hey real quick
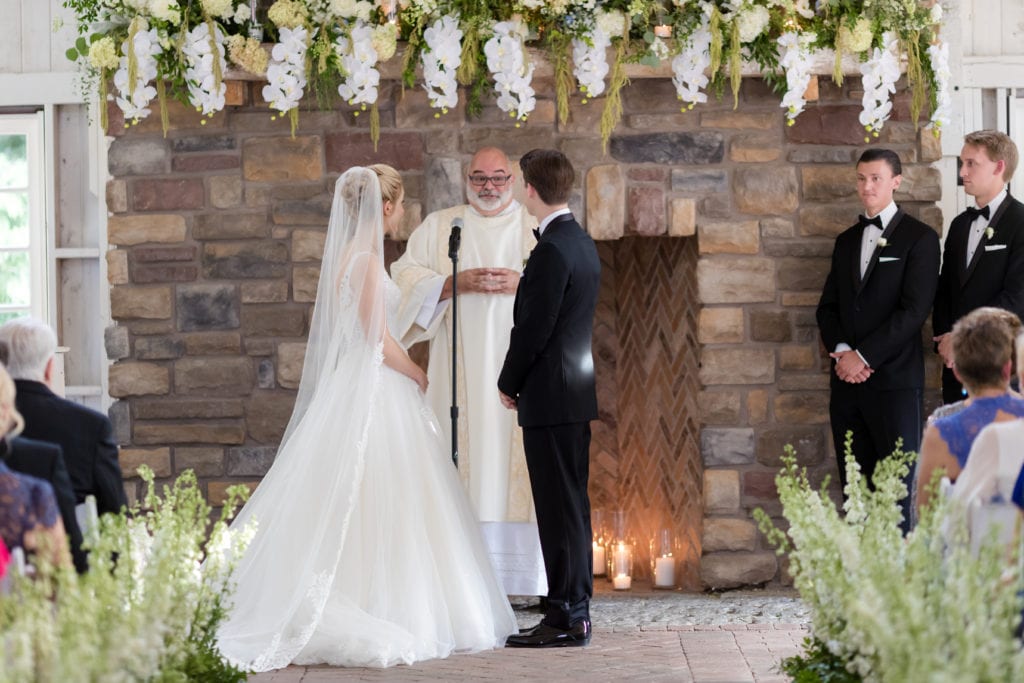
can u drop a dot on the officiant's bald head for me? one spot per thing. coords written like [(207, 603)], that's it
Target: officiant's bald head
[(490, 179)]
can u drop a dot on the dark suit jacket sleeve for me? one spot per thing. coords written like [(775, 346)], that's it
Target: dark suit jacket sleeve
[(1011, 297), (828, 308), (107, 472), (61, 481), (539, 301), (904, 325), (942, 311)]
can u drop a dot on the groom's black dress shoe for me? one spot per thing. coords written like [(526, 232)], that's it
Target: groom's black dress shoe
[(543, 635)]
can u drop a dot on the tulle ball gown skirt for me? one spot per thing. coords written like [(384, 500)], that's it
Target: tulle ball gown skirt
[(370, 561)]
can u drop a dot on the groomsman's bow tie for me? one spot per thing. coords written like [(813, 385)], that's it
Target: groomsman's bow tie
[(536, 233), (973, 212), (876, 221)]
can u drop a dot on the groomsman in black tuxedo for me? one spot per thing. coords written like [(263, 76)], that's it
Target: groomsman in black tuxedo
[(548, 376), (983, 260), (875, 300)]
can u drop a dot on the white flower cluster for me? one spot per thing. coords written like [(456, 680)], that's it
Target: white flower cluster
[(219, 9), (204, 92), (795, 58), (135, 97), (359, 62), (879, 75), (286, 75), (327, 11), (441, 57), (164, 10), (690, 66), (752, 21), (939, 57), (512, 72), (590, 61)]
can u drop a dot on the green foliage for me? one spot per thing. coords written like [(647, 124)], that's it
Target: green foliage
[(817, 665)]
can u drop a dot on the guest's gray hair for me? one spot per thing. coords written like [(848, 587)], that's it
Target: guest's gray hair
[(30, 345)]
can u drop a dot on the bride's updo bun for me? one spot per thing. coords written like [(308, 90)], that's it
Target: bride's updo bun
[(390, 182), (353, 185)]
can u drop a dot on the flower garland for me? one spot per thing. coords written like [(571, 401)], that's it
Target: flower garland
[(690, 65), (136, 70), (796, 60), (512, 71), (359, 61), (286, 75), (441, 59), (879, 75), (938, 55), (206, 89), (589, 55)]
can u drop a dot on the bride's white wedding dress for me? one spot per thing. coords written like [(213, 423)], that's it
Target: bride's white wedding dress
[(367, 551)]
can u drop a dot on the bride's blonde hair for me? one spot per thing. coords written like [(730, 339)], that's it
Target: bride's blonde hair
[(390, 182)]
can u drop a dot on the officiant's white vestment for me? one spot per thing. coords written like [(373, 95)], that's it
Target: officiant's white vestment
[(492, 465)]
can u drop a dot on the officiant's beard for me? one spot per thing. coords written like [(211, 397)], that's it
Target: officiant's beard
[(488, 199)]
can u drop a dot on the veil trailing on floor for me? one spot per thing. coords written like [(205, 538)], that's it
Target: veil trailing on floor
[(284, 578)]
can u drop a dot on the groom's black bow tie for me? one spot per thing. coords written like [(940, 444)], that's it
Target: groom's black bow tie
[(876, 221), (536, 233), (973, 212)]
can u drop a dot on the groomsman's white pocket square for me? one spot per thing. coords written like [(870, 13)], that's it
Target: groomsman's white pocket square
[(887, 259), (994, 247)]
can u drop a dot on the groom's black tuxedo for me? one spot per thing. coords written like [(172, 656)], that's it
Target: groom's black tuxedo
[(880, 315), (549, 371), (994, 277)]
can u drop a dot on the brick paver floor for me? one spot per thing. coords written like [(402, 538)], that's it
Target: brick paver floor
[(638, 651)]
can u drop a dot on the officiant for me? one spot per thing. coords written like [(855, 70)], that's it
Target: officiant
[(497, 237)]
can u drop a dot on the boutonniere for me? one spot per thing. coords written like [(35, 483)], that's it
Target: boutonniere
[(882, 243), (989, 231)]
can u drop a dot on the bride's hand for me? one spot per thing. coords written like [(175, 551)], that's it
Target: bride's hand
[(421, 380)]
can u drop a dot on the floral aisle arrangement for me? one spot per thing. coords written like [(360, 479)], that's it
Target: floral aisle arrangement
[(889, 608), (148, 608), (143, 47)]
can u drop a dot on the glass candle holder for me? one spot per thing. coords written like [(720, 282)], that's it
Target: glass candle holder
[(622, 565), (600, 557), (663, 559)]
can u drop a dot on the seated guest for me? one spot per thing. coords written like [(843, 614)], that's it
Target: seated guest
[(5, 559), (982, 349), (43, 461), (84, 435)]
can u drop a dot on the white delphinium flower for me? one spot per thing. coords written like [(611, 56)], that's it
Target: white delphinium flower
[(590, 61), (442, 55), (690, 66), (879, 75), (939, 57), (286, 75), (358, 60), (135, 97), (512, 71), (752, 21), (795, 58), (204, 93)]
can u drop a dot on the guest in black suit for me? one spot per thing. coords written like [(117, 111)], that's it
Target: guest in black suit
[(85, 436), (875, 301), (548, 376), (983, 260)]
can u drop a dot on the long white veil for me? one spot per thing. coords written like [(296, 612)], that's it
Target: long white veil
[(285, 577)]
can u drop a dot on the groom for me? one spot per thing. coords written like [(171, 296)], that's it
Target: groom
[(548, 376)]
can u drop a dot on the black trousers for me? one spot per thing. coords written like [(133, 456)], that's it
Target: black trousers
[(877, 419), (952, 390), (558, 458)]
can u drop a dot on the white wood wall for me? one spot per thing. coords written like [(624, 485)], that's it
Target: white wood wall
[(33, 46)]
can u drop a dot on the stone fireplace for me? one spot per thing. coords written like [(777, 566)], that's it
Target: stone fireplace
[(714, 228)]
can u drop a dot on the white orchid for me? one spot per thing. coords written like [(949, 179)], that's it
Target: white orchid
[(135, 97), (359, 62), (441, 57), (879, 75), (205, 93), (590, 59), (286, 75), (690, 66), (942, 114), (511, 69), (795, 58)]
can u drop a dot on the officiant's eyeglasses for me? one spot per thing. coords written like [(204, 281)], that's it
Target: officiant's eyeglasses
[(496, 180)]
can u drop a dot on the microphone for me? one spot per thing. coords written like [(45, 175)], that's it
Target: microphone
[(455, 239)]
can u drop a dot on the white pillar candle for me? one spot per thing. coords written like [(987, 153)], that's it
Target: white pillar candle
[(663, 31), (599, 560), (622, 582), (664, 571)]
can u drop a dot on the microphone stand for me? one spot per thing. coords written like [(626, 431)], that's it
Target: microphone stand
[(454, 241)]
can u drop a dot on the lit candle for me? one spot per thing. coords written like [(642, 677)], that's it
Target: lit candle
[(622, 562), (622, 582), (665, 571), (663, 31), (599, 560)]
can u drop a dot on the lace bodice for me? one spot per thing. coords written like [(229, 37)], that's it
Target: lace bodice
[(392, 301), (961, 429), (25, 504)]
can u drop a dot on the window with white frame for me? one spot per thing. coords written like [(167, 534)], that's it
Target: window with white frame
[(23, 241)]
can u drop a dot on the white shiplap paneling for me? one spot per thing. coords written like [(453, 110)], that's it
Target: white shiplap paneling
[(10, 45)]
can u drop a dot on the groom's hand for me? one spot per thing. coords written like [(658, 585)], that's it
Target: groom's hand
[(507, 401)]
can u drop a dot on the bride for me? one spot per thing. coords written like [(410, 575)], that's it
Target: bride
[(366, 552)]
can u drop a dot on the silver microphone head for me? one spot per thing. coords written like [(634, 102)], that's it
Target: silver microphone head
[(457, 223)]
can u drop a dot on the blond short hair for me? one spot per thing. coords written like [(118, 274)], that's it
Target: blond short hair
[(999, 147)]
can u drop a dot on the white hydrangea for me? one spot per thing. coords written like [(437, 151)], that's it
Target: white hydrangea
[(752, 21), (613, 23), (134, 98), (286, 75), (590, 61), (385, 40), (242, 14), (938, 55), (204, 93), (441, 56), (165, 10), (221, 9), (795, 58), (511, 70), (690, 66), (358, 60), (878, 78)]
